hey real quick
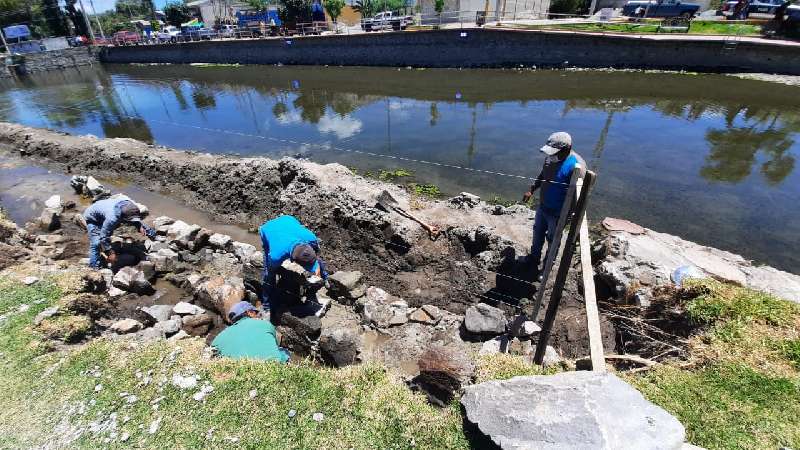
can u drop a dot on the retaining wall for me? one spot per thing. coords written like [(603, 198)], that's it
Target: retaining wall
[(479, 48), (52, 60)]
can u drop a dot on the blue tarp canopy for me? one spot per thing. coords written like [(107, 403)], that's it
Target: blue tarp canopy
[(17, 31)]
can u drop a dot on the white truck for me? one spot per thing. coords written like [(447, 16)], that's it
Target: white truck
[(386, 20), (168, 34)]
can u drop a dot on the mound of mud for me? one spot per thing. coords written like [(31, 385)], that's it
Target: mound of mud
[(475, 260)]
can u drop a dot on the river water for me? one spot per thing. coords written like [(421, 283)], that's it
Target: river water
[(710, 158)]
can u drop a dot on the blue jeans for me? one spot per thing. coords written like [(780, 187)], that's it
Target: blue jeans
[(544, 226), (94, 245), (269, 281)]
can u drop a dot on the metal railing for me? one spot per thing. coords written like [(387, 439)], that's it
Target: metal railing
[(529, 19)]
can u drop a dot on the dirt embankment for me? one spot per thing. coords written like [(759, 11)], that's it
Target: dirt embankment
[(475, 260)]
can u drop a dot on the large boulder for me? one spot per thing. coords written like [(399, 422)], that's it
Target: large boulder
[(340, 343), (382, 310), (220, 241), (242, 250), (164, 260), (484, 319), (220, 294), (181, 233), (131, 279), (126, 326), (159, 313), (346, 285), (198, 325), (300, 328), (187, 309), (569, 410), (50, 219), (443, 371)]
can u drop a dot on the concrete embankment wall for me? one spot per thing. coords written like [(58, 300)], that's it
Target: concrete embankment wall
[(478, 48), (52, 60)]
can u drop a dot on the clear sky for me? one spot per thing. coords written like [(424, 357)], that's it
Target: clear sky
[(105, 5)]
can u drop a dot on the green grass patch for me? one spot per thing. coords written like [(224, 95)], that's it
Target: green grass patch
[(392, 175), (425, 190), (651, 26), (741, 385), (719, 301), (47, 397), (497, 200), (728, 406), (791, 351)]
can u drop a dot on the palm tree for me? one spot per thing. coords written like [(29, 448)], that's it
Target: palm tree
[(364, 7)]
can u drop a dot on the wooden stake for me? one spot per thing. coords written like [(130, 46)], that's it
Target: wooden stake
[(592, 315), (563, 266)]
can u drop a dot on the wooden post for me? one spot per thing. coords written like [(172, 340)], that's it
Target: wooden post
[(592, 316), (563, 267), (553, 247)]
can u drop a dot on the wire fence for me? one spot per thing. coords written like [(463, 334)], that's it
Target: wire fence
[(494, 295)]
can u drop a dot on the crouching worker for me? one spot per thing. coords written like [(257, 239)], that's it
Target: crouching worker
[(102, 218), (249, 337), (285, 238)]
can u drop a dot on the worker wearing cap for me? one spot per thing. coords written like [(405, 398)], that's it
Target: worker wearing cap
[(286, 238), (102, 218), (554, 179), (249, 337)]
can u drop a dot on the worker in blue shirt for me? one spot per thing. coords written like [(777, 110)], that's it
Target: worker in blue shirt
[(102, 218), (286, 238), (554, 180)]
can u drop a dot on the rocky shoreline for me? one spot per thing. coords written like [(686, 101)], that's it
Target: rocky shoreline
[(474, 262)]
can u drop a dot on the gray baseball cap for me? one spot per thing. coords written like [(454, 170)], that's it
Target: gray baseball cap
[(557, 142)]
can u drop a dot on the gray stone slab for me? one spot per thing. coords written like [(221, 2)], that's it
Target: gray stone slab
[(570, 410)]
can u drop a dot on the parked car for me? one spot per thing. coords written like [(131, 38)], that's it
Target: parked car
[(196, 34), (764, 9), (126, 38), (227, 31), (168, 34), (656, 8), (77, 41), (386, 20)]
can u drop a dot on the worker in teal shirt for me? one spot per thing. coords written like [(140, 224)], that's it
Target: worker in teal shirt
[(286, 238), (249, 337)]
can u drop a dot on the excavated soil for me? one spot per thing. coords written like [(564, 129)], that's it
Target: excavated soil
[(475, 260)]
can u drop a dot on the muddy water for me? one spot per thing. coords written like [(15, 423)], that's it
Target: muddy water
[(24, 188), (709, 158)]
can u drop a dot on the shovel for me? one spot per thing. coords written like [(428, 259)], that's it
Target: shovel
[(388, 203)]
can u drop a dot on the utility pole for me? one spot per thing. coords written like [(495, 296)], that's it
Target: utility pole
[(94, 11), (86, 19)]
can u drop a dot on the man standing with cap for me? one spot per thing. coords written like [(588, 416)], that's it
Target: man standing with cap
[(286, 238), (554, 181), (102, 218), (248, 336)]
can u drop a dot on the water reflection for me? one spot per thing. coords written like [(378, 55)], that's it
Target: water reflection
[(713, 144)]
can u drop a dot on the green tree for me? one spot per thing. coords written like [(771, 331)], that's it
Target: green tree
[(177, 13), (295, 11), (334, 8), (76, 16), (438, 5), (258, 5), (365, 7), (569, 7), (54, 18)]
